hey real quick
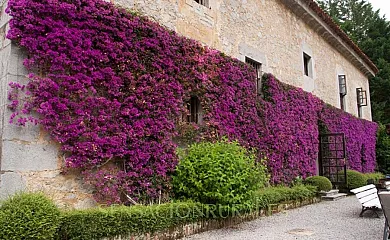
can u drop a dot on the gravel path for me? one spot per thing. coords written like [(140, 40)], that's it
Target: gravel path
[(321, 221)]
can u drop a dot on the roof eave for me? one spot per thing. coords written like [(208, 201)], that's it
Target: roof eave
[(323, 24)]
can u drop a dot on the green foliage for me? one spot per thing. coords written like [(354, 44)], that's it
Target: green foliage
[(374, 176), (28, 216), (122, 221), (273, 195), (218, 173), (383, 150), (355, 179), (322, 183)]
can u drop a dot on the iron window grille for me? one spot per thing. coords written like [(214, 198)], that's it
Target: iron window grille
[(193, 107), (361, 97), (203, 2), (257, 66)]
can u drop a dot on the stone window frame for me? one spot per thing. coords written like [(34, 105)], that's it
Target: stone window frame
[(307, 65), (342, 94), (258, 66), (245, 51), (204, 3)]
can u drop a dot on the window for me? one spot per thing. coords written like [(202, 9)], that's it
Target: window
[(342, 90), (193, 107), (307, 65), (257, 67), (361, 100), (203, 2)]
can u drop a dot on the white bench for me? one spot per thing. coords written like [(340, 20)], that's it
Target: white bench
[(368, 197)]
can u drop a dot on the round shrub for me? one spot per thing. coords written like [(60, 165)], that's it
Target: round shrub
[(355, 179), (28, 216), (218, 173), (322, 183)]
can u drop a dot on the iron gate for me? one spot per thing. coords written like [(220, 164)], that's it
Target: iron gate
[(332, 158)]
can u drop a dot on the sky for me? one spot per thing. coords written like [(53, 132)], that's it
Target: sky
[(383, 5)]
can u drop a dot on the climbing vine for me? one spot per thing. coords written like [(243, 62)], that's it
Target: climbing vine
[(111, 87)]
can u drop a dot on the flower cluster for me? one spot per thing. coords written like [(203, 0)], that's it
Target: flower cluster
[(290, 134), (111, 87)]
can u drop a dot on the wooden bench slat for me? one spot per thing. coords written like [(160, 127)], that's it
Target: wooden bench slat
[(373, 203), (366, 193), (368, 198), (364, 188)]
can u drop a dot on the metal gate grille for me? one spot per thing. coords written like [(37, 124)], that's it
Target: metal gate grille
[(333, 158)]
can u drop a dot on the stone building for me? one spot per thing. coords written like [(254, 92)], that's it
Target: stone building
[(293, 39)]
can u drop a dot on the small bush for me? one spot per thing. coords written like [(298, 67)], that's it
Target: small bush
[(355, 179), (322, 183), (28, 216), (218, 173), (374, 176)]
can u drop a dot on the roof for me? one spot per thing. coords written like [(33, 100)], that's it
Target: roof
[(336, 28)]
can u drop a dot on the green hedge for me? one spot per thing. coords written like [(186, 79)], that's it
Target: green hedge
[(280, 194), (28, 216), (374, 176), (36, 217), (322, 183), (122, 221)]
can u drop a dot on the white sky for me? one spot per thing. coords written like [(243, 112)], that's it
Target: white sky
[(383, 5)]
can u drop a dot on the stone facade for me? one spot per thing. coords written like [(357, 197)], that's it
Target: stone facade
[(266, 31), (29, 160), (269, 32)]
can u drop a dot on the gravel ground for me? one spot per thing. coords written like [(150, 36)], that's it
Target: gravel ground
[(321, 221)]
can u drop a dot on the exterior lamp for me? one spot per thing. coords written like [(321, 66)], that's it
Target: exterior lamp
[(361, 97)]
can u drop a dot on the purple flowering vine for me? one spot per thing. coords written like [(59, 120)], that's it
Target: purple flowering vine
[(111, 87)]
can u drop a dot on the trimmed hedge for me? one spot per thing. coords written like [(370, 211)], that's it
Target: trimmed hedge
[(123, 221), (28, 216), (374, 176), (279, 194), (33, 216), (322, 183), (355, 179)]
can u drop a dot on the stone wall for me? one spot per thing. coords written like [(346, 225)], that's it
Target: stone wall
[(266, 31), (29, 160)]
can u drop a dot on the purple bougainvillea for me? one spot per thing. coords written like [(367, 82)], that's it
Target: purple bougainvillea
[(111, 86)]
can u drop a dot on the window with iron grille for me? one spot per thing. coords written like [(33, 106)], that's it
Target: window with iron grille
[(193, 107), (257, 66), (203, 2), (342, 90), (361, 100)]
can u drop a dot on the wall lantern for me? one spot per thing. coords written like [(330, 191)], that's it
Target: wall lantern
[(361, 97), (342, 85)]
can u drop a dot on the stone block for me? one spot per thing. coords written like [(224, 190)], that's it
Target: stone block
[(4, 18), (15, 66), (11, 183), (5, 54), (21, 156)]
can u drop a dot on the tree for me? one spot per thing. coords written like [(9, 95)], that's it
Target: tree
[(372, 34)]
